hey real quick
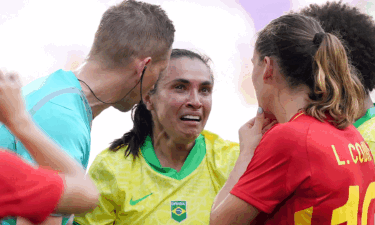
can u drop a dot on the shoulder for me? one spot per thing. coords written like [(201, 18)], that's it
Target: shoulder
[(291, 130), (45, 89), (112, 173), (281, 138), (367, 130), (55, 120), (113, 162), (62, 110), (367, 127), (221, 154), (215, 142), (56, 81)]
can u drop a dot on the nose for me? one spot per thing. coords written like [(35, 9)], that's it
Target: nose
[(194, 100)]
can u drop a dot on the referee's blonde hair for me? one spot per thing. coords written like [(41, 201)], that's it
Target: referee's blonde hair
[(129, 30)]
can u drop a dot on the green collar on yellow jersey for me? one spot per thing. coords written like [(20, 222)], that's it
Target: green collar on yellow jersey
[(370, 113), (193, 160)]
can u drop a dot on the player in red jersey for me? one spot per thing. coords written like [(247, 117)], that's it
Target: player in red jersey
[(31, 192), (313, 167)]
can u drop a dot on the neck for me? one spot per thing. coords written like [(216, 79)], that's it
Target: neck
[(288, 104), (108, 85), (169, 151)]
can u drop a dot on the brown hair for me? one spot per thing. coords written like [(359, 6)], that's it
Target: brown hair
[(356, 29), (132, 29), (322, 65)]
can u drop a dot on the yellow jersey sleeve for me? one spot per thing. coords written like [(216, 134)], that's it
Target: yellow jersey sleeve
[(371, 144), (221, 156), (367, 130), (105, 180)]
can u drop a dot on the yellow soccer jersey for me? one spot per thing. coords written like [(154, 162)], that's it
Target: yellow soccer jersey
[(366, 126), (141, 191)]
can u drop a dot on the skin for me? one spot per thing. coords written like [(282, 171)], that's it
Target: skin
[(273, 92), (185, 89), (276, 99), (111, 85), (80, 194)]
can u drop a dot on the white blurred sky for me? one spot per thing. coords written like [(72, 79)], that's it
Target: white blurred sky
[(41, 36)]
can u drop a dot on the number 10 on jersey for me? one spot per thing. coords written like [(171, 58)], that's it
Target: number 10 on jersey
[(349, 212)]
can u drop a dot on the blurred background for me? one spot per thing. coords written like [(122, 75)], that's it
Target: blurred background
[(41, 36)]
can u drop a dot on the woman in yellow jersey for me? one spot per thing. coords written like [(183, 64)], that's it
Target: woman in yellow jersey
[(166, 169)]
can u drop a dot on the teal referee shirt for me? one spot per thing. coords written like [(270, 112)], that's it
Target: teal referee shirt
[(59, 107)]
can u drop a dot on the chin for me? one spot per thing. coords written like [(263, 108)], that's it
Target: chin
[(190, 136), (267, 112), (269, 115)]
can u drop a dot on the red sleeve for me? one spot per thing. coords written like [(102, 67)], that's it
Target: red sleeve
[(25, 191), (278, 167)]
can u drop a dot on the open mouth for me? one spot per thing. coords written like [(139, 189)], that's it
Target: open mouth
[(191, 118)]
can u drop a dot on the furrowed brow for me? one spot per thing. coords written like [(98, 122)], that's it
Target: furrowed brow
[(206, 83), (182, 81)]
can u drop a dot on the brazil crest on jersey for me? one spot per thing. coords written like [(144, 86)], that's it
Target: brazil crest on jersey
[(178, 209), (141, 191)]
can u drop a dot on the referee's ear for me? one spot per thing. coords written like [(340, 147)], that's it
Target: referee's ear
[(140, 65)]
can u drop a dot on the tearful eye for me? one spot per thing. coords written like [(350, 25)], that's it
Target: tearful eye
[(179, 87), (206, 90)]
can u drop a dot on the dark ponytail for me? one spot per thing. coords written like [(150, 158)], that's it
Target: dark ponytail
[(141, 116), (142, 127)]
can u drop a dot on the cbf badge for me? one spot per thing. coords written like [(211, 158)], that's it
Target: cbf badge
[(178, 210)]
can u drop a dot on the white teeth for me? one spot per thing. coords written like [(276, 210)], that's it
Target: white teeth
[(191, 117)]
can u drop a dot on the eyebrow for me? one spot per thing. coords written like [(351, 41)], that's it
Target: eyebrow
[(207, 83), (188, 82), (182, 81)]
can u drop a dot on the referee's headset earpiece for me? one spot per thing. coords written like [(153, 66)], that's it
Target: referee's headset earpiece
[(146, 61), (143, 73)]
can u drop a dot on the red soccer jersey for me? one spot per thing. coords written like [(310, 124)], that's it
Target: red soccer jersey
[(25, 191), (309, 172)]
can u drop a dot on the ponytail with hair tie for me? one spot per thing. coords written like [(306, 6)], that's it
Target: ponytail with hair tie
[(337, 89), (308, 56), (318, 38)]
